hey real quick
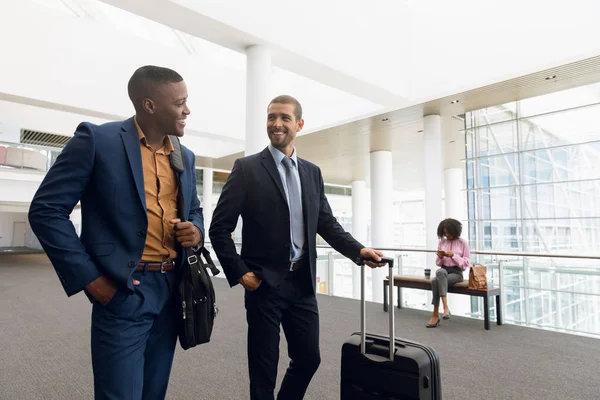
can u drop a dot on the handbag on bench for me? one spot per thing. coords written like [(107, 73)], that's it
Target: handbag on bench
[(477, 277)]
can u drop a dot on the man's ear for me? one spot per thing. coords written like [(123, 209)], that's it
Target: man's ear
[(148, 106), (300, 125)]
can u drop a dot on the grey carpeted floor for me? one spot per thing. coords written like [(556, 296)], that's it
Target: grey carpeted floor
[(44, 348)]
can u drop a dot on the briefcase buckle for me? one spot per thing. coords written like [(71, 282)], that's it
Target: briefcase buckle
[(193, 259)]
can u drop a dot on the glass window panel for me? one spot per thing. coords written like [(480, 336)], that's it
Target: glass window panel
[(568, 127), (542, 307), (567, 163), (470, 143), (471, 205), (515, 305), (568, 236), (501, 235), (579, 312), (497, 139), (499, 170), (564, 99), (470, 174), (564, 199), (501, 203), (491, 115)]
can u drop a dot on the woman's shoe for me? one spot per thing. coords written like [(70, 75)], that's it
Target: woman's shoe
[(446, 316), (433, 325)]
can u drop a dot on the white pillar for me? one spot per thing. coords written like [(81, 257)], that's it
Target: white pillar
[(258, 95), (454, 206), (359, 227), (432, 138), (453, 194), (382, 224), (207, 197)]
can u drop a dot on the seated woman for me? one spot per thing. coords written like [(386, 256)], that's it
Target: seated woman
[(453, 258)]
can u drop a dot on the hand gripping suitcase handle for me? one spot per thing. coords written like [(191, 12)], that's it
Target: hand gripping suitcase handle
[(363, 306)]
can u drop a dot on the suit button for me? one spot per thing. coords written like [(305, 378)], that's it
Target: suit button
[(287, 245), (132, 264), (142, 233)]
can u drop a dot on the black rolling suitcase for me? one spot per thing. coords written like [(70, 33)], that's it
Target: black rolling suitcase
[(378, 367)]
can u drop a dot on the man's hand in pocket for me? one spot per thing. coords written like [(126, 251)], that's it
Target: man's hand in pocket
[(103, 289), (250, 281)]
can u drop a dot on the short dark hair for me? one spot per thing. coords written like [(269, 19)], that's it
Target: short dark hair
[(453, 227), (285, 99), (145, 78)]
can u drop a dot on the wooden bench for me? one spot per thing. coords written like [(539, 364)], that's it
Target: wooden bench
[(417, 282)]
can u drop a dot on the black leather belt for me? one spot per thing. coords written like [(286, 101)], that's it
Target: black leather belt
[(162, 267)]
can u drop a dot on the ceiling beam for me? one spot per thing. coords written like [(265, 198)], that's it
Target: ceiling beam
[(86, 112), (191, 22)]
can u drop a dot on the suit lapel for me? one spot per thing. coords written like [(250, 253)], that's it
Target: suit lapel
[(304, 182), (269, 164), (131, 143)]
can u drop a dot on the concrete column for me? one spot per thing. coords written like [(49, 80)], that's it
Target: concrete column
[(433, 158), (382, 224), (207, 196), (453, 194), (258, 95), (360, 215)]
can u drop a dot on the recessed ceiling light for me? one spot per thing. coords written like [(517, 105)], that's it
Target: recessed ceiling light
[(454, 102), (452, 141), (550, 77)]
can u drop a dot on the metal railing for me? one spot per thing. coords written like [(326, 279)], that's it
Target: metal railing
[(27, 156), (558, 292)]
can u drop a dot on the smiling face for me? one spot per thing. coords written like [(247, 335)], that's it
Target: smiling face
[(169, 107), (282, 127)]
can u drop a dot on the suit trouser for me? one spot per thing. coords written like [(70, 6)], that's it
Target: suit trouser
[(134, 337), (444, 278), (293, 305)]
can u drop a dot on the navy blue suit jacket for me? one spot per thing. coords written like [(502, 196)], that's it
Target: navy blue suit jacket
[(254, 190), (101, 166)]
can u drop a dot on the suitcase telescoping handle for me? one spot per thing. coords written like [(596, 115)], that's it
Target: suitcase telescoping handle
[(363, 307)]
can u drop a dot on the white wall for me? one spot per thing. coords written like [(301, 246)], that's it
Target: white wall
[(19, 186), (7, 221), (15, 117), (9, 130)]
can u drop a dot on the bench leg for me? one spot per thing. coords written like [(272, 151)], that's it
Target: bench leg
[(486, 312), (499, 317), (399, 297), (385, 296)]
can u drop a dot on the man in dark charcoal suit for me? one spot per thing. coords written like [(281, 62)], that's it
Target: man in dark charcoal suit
[(282, 202), (131, 244)]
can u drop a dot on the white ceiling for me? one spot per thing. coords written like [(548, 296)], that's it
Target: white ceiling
[(343, 59)]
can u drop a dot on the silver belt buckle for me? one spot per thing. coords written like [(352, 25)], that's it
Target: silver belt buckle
[(162, 266), (292, 265)]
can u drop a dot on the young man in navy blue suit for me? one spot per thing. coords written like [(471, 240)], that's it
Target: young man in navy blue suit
[(131, 245), (282, 202)]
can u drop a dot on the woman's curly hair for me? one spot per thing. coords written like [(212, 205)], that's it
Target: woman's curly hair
[(453, 227)]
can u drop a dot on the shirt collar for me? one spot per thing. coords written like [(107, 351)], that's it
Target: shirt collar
[(168, 145), (278, 155)]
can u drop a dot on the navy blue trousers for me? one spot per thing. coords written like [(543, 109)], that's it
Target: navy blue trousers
[(293, 306), (134, 338)]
